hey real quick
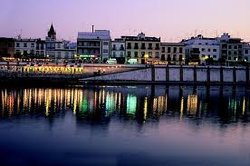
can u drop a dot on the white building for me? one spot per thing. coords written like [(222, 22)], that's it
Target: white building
[(26, 47), (118, 50), (94, 45), (61, 50), (203, 47)]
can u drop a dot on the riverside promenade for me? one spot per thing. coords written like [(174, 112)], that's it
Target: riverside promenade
[(56, 74), (67, 74)]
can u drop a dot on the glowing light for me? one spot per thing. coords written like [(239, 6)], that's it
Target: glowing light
[(244, 106), (192, 104), (145, 108), (131, 104), (182, 107)]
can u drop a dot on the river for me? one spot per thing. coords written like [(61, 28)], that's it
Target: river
[(125, 125)]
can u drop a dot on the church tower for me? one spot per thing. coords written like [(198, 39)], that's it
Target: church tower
[(52, 33)]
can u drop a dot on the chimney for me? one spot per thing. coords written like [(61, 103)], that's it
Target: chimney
[(93, 28)]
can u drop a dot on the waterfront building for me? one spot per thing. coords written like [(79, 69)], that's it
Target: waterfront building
[(58, 49), (40, 48), (7, 47), (173, 53), (231, 49), (142, 48), (94, 46), (118, 50), (199, 49), (246, 52), (25, 48)]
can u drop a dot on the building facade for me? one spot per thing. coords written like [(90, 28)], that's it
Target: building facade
[(118, 50), (142, 48), (231, 49), (25, 48), (199, 49), (58, 49), (7, 47), (94, 46), (173, 53), (40, 48), (246, 52)]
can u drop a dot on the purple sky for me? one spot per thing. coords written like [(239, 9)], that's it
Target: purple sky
[(170, 19)]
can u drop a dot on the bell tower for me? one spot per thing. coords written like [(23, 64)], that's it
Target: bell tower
[(52, 33)]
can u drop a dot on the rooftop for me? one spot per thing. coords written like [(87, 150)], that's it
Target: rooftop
[(97, 34)]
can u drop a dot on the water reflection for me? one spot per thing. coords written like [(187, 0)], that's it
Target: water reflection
[(143, 103)]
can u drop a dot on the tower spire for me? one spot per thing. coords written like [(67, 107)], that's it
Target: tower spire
[(52, 32)]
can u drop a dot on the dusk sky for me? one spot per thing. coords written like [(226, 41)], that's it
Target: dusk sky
[(172, 20)]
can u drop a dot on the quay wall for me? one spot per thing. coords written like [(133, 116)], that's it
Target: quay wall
[(178, 74)]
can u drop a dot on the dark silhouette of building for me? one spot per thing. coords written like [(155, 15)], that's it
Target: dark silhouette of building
[(7, 47), (52, 33)]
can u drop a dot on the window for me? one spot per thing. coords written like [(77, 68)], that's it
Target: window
[(162, 49), (114, 47), (150, 46), (32, 45), (129, 54), (136, 54), (105, 51), (175, 49), (246, 51), (174, 57), (235, 47), (229, 53), (180, 50), (157, 46), (162, 57), (203, 49), (121, 47), (142, 54), (143, 46), (180, 57), (105, 43), (229, 47), (24, 44), (209, 50), (129, 46), (150, 54), (169, 49), (136, 46), (17, 44), (157, 55), (214, 56), (169, 57), (214, 50)]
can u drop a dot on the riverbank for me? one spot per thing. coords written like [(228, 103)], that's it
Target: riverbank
[(125, 75)]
